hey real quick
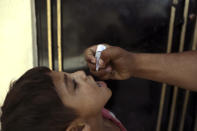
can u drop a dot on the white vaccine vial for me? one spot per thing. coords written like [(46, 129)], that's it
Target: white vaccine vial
[(99, 50)]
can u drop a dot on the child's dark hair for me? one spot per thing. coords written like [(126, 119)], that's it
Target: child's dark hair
[(32, 104)]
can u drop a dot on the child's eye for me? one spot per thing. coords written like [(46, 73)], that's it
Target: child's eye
[(75, 85)]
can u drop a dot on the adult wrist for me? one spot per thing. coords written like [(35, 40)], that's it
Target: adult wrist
[(132, 64)]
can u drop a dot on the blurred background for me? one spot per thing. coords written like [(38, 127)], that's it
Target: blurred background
[(135, 25), (17, 41)]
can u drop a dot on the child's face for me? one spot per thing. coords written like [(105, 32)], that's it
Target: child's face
[(81, 92)]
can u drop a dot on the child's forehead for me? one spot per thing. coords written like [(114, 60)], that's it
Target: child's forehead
[(58, 80), (56, 77), (56, 74)]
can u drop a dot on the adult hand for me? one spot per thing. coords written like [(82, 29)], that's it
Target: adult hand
[(115, 63)]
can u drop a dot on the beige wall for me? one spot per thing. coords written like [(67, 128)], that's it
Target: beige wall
[(17, 38)]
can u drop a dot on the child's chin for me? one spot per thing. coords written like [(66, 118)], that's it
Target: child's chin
[(109, 94)]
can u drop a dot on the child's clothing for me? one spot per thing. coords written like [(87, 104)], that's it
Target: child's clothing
[(110, 116)]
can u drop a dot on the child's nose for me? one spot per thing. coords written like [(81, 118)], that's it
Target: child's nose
[(80, 74)]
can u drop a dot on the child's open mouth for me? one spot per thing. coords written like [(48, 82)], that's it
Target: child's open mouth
[(101, 84)]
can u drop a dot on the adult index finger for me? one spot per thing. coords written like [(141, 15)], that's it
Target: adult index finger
[(89, 54)]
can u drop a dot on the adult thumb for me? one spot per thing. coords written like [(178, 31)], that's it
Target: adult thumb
[(106, 56), (111, 53)]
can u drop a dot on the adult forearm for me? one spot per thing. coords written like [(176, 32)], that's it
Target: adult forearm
[(176, 68)]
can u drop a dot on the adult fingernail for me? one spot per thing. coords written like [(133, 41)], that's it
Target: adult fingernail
[(109, 69), (101, 62)]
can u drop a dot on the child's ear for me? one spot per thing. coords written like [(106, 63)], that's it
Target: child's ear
[(77, 127)]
